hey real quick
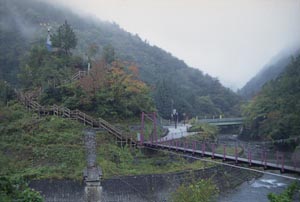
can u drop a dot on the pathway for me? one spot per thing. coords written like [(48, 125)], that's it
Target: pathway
[(76, 114), (176, 133)]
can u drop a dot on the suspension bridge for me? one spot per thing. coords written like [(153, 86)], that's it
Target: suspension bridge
[(231, 153), (234, 153), (177, 140)]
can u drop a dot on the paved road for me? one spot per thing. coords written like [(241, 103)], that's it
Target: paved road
[(176, 133)]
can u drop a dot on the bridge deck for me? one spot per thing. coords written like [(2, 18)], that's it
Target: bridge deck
[(223, 121), (236, 159)]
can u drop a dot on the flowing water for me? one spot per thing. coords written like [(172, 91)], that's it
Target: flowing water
[(256, 190)]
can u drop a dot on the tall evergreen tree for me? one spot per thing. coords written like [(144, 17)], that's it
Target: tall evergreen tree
[(164, 100), (109, 54), (64, 39)]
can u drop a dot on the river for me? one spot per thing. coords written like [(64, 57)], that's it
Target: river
[(256, 190)]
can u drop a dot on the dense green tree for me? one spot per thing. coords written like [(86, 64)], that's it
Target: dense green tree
[(164, 98), (64, 38), (274, 113), (92, 51), (42, 68), (109, 54), (6, 92)]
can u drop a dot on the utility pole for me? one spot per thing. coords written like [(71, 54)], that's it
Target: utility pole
[(176, 120), (174, 115), (6, 93), (49, 42)]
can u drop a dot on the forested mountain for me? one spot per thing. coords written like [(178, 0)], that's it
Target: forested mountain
[(24, 24), (269, 72), (274, 114)]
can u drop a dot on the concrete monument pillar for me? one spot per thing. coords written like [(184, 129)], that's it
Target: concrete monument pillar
[(92, 174)]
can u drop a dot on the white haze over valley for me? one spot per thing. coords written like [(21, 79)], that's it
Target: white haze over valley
[(228, 39)]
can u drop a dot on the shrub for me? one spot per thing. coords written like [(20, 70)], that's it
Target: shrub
[(286, 196), (201, 191), (17, 190)]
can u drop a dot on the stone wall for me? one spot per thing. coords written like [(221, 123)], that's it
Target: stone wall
[(144, 187)]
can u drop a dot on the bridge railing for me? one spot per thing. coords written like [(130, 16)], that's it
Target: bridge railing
[(239, 119), (250, 154)]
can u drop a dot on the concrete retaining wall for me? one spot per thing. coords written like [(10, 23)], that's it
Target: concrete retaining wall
[(142, 188)]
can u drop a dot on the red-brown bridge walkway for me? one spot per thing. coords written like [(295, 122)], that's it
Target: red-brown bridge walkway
[(266, 158), (231, 152)]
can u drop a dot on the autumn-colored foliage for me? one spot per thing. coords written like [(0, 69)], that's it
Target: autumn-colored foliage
[(116, 89), (95, 78)]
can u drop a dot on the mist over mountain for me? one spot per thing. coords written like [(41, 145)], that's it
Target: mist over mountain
[(24, 24), (274, 112), (270, 71)]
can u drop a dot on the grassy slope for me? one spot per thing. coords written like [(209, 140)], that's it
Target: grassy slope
[(52, 147), (40, 148)]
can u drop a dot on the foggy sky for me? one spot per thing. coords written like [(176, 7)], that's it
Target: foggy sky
[(228, 39)]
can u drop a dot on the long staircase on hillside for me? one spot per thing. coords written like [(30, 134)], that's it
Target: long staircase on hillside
[(76, 114), (79, 75)]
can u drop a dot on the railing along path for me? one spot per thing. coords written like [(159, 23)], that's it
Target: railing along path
[(73, 114)]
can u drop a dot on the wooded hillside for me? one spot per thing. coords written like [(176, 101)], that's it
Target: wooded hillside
[(173, 83), (274, 114), (269, 72)]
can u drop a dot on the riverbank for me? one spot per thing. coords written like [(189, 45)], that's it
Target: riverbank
[(257, 189)]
